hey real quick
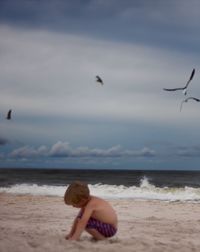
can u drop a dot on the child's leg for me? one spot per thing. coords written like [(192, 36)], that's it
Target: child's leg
[(95, 234)]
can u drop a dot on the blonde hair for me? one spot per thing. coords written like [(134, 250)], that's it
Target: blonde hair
[(76, 192)]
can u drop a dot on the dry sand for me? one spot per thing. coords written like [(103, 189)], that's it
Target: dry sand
[(38, 223)]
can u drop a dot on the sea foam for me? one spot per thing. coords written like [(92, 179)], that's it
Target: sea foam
[(145, 191)]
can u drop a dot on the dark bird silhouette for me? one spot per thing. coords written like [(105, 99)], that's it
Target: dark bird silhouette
[(99, 80), (187, 99), (8, 117), (182, 88)]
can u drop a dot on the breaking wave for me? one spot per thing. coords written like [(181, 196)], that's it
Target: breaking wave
[(145, 191)]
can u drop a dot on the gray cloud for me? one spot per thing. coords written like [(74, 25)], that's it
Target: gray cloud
[(46, 10), (47, 68), (29, 152), (51, 52), (189, 151), (152, 22), (63, 149), (3, 141), (49, 80)]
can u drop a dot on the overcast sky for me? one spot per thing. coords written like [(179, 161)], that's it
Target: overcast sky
[(50, 53)]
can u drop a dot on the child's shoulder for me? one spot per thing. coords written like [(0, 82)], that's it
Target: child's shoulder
[(96, 201), (94, 198)]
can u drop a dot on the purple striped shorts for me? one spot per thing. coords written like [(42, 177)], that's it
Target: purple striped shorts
[(107, 230)]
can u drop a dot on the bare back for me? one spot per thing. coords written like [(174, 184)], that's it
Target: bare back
[(102, 211)]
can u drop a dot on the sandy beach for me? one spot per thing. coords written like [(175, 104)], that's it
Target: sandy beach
[(39, 223)]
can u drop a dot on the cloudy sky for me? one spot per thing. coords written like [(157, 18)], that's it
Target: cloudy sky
[(50, 53)]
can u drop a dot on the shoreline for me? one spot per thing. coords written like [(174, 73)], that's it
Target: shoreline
[(39, 223)]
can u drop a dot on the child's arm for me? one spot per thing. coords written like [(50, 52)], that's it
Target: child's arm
[(72, 229), (81, 223), (74, 225)]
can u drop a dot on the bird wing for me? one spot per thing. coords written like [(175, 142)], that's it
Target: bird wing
[(191, 77), (9, 114), (196, 99), (187, 99), (193, 98), (173, 89), (99, 79)]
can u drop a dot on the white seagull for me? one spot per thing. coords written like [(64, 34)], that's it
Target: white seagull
[(182, 88), (187, 99), (99, 80)]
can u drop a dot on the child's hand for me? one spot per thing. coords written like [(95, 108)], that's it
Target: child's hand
[(68, 236), (72, 239)]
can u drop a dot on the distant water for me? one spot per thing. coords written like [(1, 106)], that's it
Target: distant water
[(155, 185)]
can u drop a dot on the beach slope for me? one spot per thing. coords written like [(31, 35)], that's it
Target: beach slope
[(39, 223)]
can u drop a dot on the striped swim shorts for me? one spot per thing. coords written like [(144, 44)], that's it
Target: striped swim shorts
[(105, 229)]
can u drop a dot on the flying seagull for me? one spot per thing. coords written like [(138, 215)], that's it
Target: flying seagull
[(187, 99), (99, 80), (182, 88), (8, 117)]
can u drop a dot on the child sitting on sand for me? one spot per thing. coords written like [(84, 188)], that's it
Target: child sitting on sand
[(96, 216)]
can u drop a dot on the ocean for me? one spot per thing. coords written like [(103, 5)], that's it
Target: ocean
[(109, 184)]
